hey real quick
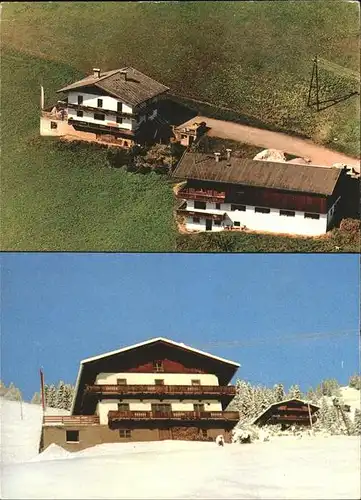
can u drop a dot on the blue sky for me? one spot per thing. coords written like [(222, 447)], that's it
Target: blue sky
[(60, 308)]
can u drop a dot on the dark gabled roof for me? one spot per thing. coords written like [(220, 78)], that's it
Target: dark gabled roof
[(136, 89), (275, 175)]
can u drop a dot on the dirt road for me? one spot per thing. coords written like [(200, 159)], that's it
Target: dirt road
[(318, 155)]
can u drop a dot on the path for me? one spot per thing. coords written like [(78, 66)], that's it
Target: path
[(305, 148)]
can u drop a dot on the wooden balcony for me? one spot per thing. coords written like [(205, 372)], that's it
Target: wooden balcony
[(292, 418), (117, 416), (98, 127), (164, 390), (208, 195), (201, 215), (70, 419)]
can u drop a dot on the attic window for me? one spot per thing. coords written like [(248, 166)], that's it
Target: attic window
[(100, 103), (158, 366), (119, 107), (80, 99)]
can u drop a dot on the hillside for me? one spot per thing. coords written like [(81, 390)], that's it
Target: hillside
[(252, 57), (329, 467)]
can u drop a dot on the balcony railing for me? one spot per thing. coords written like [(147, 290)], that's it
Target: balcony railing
[(83, 107), (114, 416), (201, 215), (180, 390), (209, 195), (71, 419)]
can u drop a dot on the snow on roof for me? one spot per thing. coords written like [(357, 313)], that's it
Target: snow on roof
[(159, 339)]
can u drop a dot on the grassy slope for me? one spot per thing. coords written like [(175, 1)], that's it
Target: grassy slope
[(64, 198), (254, 57)]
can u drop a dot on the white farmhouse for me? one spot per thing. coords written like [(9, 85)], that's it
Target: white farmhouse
[(237, 193), (114, 103)]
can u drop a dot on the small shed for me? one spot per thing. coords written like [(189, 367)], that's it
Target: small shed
[(288, 412)]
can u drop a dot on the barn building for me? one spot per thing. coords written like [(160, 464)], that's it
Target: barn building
[(238, 193), (155, 390), (117, 103), (287, 413)]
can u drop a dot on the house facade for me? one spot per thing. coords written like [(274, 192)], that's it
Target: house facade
[(159, 389), (287, 413), (117, 103), (221, 193)]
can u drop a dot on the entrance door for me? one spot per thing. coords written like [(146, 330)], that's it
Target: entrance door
[(164, 434), (208, 224)]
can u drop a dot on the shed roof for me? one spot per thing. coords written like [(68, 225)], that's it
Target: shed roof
[(134, 90), (247, 172)]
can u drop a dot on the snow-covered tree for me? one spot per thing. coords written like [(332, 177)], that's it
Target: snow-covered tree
[(68, 396), (36, 399), (355, 381), (294, 392), (13, 393), (3, 388), (279, 392), (60, 395), (329, 387), (50, 395)]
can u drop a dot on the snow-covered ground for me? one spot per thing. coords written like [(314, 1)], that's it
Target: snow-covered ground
[(286, 467)]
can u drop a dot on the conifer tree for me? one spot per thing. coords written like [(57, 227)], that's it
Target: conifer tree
[(60, 395), (279, 392), (295, 392), (13, 393), (36, 399)]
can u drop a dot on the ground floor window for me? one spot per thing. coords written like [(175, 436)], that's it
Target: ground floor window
[(196, 220), (119, 120), (288, 213), (236, 223), (53, 125), (125, 433), (218, 206), (217, 222), (72, 436), (311, 216), (204, 433), (80, 114), (262, 210)]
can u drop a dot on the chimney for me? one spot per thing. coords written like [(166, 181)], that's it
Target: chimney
[(229, 151), (217, 155), (124, 75), (96, 72)]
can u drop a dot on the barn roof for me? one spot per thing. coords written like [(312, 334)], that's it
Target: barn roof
[(230, 366), (302, 401), (136, 89), (247, 172)]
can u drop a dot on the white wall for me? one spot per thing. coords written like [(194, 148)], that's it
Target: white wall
[(110, 120), (272, 222), (104, 406), (148, 378), (110, 103)]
